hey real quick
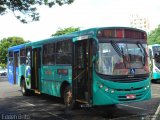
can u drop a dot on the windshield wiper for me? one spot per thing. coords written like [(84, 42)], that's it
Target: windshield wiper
[(139, 44), (116, 47)]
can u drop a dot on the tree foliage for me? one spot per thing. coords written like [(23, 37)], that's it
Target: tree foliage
[(154, 36), (5, 44), (26, 10), (68, 30)]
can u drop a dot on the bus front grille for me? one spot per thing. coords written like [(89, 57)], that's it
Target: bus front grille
[(128, 80), (125, 78)]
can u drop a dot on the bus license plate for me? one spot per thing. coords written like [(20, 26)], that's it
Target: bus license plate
[(131, 96)]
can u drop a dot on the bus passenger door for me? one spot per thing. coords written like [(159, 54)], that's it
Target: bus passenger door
[(36, 68), (16, 64), (82, 71)]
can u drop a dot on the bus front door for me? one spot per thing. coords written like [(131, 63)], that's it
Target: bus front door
[(82, 71)]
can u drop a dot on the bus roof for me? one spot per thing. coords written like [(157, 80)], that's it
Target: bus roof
[(91, 31), (16, 48)]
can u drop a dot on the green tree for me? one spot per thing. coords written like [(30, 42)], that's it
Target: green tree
[(5, 43), (154, 36), (61, 31), (25, 10)]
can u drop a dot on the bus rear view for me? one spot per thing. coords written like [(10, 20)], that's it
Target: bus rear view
[(121, 70)]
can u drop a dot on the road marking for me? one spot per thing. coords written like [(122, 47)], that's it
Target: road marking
[(124, 118), (132, 107), (156, 113), (53, 114), (29, 104)]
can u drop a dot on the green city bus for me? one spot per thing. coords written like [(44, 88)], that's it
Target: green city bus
[(97, 66), (154, 53)]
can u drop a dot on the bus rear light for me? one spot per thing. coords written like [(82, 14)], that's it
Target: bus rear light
[(148, 86)]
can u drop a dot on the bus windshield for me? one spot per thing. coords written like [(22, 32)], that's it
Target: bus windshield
[(132, 58), (156, 53)]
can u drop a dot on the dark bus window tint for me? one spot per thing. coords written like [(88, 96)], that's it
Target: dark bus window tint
[(10, 54), (49, 59), (22, 56), (50, 48), (81, 56), (64, 58), (64, 52), (45, 50), (22, 60), (22, 52), (10, 61), (28, 57), (59, 47), (49, 54), (64, 46)]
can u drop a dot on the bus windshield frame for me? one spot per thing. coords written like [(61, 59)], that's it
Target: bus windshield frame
[(132, 61)]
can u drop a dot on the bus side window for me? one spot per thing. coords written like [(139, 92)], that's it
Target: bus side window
[(28, 57), (10, 62), (22, 57), (157, 57), (64, 52), (49, 54)]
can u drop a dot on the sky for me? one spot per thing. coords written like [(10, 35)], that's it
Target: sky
[(82, 13)]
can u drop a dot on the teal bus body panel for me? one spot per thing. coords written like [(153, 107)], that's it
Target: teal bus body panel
[(21, 73), (102, 97), (156, 76), (51, 81)]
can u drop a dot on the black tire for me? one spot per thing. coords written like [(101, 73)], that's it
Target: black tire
[(68, 99), (24, 91)]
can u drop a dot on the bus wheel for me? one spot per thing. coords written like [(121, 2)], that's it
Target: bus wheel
[(68, 101), (24, 91)]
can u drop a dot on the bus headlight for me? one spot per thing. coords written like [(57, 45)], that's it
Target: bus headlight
[(106, 89), (112, 91), (101, 86)]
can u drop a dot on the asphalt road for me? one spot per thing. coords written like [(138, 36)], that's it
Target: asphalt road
[(43, 107)]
